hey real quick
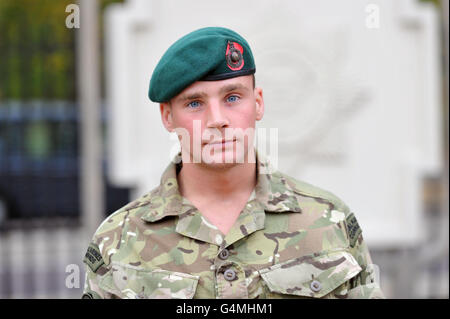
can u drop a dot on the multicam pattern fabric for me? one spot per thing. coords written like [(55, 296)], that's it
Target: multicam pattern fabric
[(291, 240)]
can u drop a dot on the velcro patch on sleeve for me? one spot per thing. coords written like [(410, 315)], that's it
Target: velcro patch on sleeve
[(93, 257), (353, 229)]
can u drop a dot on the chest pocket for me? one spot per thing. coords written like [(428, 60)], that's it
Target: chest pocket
[(310, 276), (125, 281)]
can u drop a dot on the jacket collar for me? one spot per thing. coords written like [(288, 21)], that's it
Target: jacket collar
[(271, 191)]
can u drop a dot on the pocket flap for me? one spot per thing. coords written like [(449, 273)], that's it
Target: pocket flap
[(311, 276), (127, 281)]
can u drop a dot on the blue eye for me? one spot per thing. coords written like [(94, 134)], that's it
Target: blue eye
[(194, 104), (232, 98)]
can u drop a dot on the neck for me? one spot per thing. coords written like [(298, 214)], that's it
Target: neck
[(204, 181)]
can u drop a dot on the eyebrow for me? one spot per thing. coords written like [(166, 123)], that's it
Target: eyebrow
[(193, 96), (232, 87), (198, 95)]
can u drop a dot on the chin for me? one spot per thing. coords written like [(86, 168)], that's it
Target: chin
[(227, 158), (219, 166)]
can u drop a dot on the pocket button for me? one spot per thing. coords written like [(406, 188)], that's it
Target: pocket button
[(315, 286), (229, 274)]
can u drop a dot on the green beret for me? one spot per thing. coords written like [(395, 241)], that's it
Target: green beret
[(207, 54)]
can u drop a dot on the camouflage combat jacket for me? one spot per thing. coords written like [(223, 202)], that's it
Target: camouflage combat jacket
[(291, 240)]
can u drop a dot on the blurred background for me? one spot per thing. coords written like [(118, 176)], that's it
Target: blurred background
[(357, 90)]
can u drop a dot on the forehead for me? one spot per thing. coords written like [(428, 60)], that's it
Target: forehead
[(216, 87)]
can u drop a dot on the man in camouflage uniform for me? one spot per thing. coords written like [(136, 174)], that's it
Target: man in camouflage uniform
[(216, 230)]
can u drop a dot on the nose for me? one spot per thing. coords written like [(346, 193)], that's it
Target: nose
[(216, 117)]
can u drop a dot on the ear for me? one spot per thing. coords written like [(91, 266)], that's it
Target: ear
[(259, 99), (166, 115)]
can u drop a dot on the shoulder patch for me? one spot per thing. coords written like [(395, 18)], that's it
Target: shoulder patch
[(93, 257), (353, 229)]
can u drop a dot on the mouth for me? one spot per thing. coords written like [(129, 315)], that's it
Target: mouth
[(220, 142)]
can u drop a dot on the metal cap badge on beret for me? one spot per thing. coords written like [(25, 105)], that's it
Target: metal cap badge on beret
[(207, 54)]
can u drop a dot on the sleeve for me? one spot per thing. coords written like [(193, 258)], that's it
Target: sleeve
[(366, 284), (95, 268)]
